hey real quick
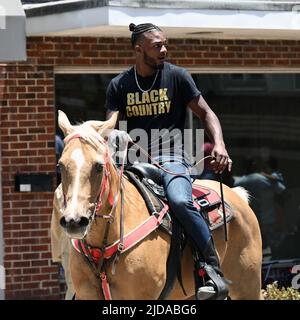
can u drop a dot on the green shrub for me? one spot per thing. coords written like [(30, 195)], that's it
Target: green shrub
[(273, 292)]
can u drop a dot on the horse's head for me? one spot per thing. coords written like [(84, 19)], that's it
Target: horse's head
[(83, 164)]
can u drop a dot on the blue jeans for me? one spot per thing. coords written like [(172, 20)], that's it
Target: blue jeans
[(179, 194)]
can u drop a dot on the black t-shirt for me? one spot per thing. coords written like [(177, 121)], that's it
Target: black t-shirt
[(163, 107)]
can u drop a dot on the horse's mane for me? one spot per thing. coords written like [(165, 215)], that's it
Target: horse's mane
[(87, 134)]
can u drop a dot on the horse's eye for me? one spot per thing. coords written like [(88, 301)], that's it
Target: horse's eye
[(60, 166), (99, 167)]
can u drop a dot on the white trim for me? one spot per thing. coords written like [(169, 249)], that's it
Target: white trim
[(118, 69), (230, 69), (187, 22), (63, 22), (29, 6), (272, 5), (203, 18), (88, 70)]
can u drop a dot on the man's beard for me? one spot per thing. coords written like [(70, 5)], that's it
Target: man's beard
[(152, 63)]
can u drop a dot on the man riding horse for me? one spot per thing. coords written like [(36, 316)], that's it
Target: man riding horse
[(154, 94)]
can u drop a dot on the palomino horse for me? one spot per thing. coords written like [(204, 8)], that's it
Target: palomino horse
[(90, 179)]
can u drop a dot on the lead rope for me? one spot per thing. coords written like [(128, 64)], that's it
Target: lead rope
[(161, 167), (223, 206)]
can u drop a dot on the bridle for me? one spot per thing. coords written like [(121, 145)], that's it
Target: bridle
[(113, 201), (104, 185)]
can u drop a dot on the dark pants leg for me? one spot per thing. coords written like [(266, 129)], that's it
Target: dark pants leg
[(179, 194)]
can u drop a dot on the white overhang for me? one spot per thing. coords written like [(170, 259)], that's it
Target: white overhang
[(192, 19), (12, 31)]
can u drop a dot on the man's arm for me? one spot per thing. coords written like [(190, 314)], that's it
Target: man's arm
[(213, 129)]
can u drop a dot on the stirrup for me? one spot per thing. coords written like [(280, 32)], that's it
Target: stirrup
[(216, 288), (206, 292)]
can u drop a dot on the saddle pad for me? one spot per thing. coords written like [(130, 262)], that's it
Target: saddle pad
[(215, 210)]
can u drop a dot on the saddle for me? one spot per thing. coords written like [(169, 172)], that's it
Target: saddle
[(148, 180)]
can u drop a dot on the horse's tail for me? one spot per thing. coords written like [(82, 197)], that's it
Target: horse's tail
[(242, 193)]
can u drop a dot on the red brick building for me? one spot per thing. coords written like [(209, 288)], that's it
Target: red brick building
[(28, 101)]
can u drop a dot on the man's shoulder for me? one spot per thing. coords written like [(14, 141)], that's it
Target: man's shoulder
[(174, 68), (123, 76)]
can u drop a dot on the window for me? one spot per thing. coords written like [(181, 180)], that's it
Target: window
[(260, 117), (82, 96)]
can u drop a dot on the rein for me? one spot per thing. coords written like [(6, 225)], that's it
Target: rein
[(161, 167)]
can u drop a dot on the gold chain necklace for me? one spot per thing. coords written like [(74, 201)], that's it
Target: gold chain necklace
[(137, 83)]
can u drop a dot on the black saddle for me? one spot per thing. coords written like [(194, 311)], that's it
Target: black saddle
[(146, 170)]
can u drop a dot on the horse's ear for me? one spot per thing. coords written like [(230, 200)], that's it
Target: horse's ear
[(106, 126), (64, 123)]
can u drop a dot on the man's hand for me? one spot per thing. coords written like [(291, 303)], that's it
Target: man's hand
[(118, 142), (221, 159)]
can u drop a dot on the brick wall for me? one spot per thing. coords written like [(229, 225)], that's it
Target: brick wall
[(28, 128), (27, 145)]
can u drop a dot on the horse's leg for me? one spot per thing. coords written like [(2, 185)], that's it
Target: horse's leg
[(56, 231), (86, 285), (141, 272), (60, 241), (241, 260), (241, 256)]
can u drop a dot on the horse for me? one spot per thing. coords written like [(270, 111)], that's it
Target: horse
[(83, 205)]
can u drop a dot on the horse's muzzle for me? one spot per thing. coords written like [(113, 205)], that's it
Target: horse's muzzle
[(74, 227)]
